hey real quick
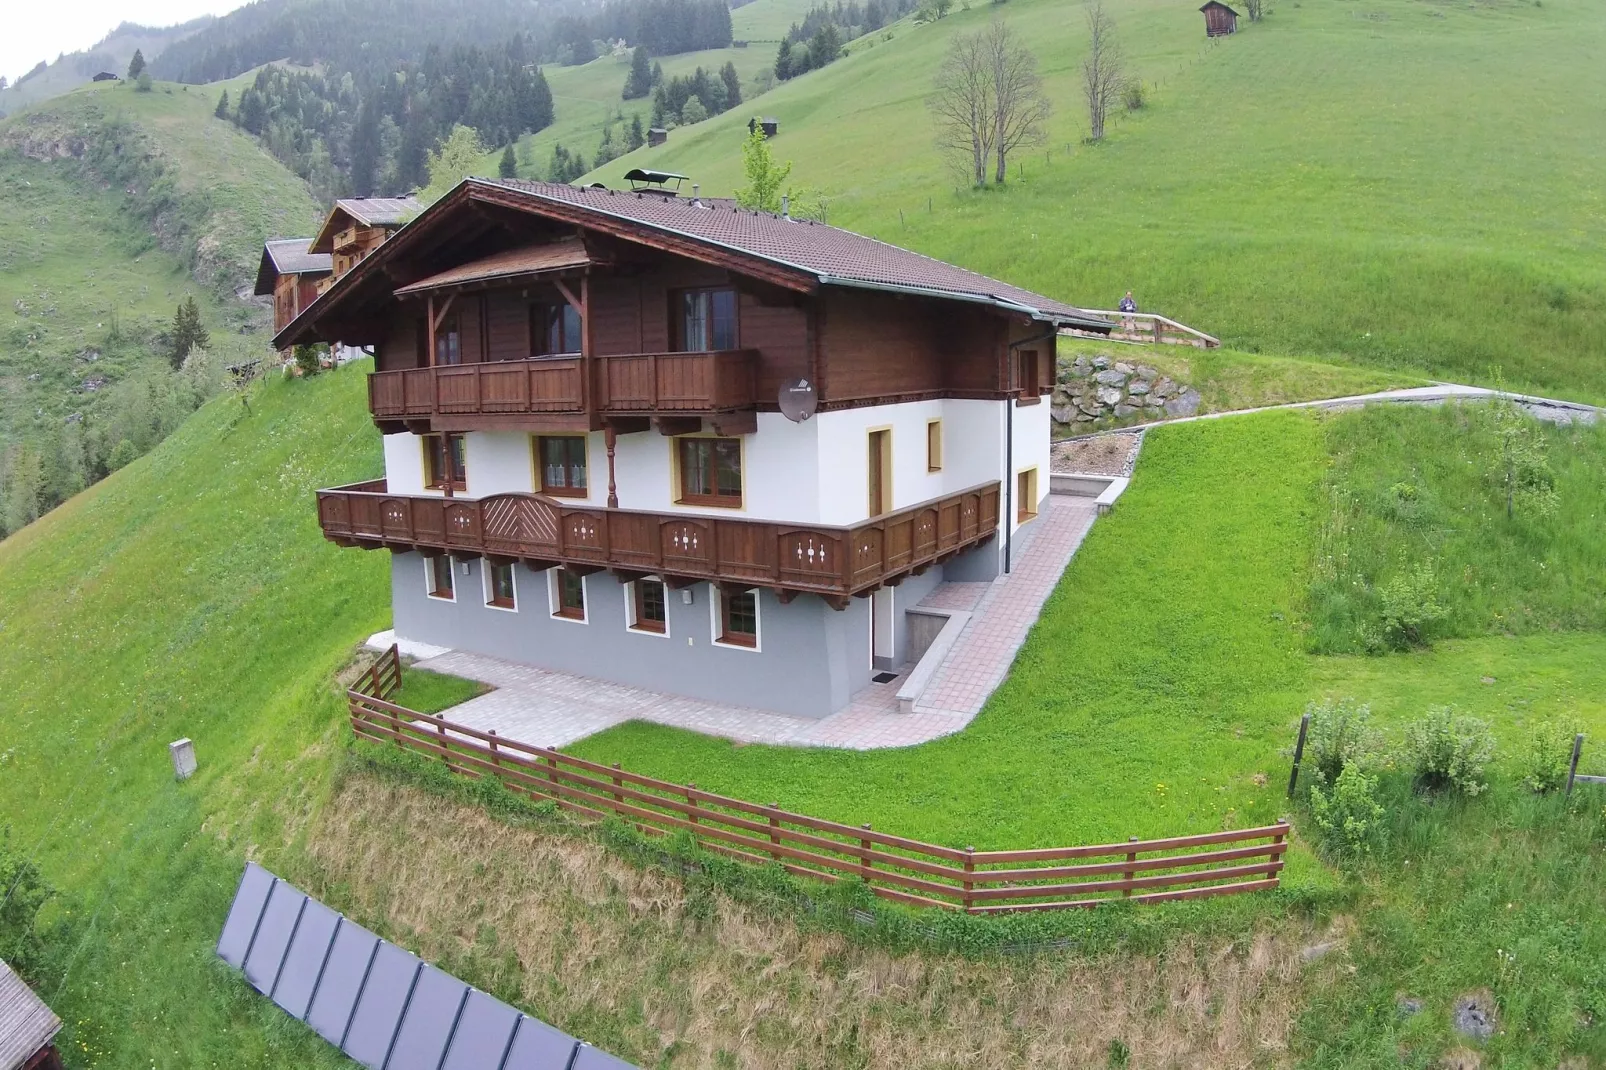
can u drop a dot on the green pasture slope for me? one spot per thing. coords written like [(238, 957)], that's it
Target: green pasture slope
[(191, 594), (1399, 183)]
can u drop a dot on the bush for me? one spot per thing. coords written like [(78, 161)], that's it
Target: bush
[(308, 359), (1341, 734), (1348, 813), (1408, 612), (1133, 94), (1546, 755), (1447, 750), (23, 892)]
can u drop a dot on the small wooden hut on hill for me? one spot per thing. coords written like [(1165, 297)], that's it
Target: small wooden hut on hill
[(1220, 20), (27, 1027)]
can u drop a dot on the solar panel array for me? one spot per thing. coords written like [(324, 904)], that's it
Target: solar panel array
[(379, 1004)]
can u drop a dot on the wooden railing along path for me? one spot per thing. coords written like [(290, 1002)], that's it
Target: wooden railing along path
[(804, 558), (1149, 328), (894, 867)]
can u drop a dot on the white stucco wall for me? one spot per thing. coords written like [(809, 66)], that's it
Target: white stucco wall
[(404, 464)]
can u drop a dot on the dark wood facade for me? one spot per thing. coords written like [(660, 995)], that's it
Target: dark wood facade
[(1220, 20), (833, 562)]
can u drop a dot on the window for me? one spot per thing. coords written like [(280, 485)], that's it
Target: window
[(1025, 495), (569, 595), (880, 471), (561, 460), (705, 320), (933, 445), (448, 343), (499, 589), (444, 462), (710, 471), (738, 619), (649, 607), (554, 329), (1027, 382), (438, 577)]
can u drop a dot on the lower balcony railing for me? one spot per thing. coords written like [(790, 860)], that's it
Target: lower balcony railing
[(832, 561)]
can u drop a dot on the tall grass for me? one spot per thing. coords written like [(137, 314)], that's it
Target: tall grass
[(1416, 496)]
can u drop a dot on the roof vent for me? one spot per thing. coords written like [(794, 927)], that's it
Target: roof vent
[(696, 200), (786, 206)]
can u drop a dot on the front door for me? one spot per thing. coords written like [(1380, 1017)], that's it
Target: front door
[(880, 461)]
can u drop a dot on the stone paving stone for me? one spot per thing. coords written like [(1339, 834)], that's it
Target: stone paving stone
[(552, 709)]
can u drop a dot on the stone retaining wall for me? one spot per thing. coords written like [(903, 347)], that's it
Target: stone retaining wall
[(1092, 392)]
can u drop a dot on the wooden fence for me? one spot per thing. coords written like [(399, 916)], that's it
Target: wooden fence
[(895, 868), (1149, 328)]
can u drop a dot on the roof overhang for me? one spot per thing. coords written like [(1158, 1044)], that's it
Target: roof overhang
[(526, 261), (269, 270)]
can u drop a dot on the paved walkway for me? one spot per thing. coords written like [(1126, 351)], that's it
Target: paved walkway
[(551, 709)]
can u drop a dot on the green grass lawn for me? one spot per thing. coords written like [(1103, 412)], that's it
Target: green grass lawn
[(1324, 183), (432, 692)]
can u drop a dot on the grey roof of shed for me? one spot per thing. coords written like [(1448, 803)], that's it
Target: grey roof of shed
[(289, 256), (836, 257), (26, 1024), (368, 211)]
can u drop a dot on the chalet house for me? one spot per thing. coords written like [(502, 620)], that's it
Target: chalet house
[(291, 276), (28, 1028), (674, 444), (356, 226)]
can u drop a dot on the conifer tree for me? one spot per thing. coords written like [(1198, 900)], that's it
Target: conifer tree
[(222, 111), (638, 83), (188, 332), (136, 66), (637, 137), (733, 84), (509, 167)]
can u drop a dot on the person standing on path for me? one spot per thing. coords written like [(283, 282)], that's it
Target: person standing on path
[(1128, 305)]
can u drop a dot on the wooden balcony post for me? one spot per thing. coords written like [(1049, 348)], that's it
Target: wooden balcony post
[(611, 437)]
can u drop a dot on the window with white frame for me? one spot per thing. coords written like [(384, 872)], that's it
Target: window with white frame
[(647, 606), (438, 577), (568, 595), (501, 589), (735, 616)]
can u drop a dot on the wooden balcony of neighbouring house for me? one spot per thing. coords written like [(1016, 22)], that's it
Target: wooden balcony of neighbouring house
[(833, 562), (549, 393)]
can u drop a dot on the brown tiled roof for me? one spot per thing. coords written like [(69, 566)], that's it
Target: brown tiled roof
[(837, 257), (525, 260), (369, 211), (289, 256), (26, 1024)]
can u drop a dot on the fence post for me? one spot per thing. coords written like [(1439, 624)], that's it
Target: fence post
[(496, 756), (691, 800), (864, 856), (1129, 874), (618, 798), (440, 731), (775, 824), (970, 871), (1572, 769), (552, 775), (1271, 873), (1299, 753)]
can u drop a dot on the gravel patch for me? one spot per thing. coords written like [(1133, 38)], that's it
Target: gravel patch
[(1097, 455)]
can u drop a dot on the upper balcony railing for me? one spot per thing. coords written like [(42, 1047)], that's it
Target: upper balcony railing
[(835, 562), (635, 384)]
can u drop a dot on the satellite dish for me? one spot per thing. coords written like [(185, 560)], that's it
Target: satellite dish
[(798, 400)]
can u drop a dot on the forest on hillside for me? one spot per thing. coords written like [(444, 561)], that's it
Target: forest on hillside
[(374, 85)]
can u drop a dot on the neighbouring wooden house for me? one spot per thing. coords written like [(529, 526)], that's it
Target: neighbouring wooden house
[(657, 136), (290, 275), (105, 76), (673, 444), (770, 126), (356, 226), (28, 1028), (1220, 20)]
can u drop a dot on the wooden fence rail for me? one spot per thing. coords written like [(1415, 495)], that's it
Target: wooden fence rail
[(894, 867), (1150, 329)]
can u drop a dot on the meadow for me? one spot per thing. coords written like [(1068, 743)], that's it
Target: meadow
[(1332, 182)]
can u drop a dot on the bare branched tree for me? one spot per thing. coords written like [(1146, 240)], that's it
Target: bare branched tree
[(1019, 107), (1255, 9), (962, 104), (1102, 78), (988, 101)]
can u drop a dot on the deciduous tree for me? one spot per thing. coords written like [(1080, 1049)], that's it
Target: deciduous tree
[(962, 105), (455, 160), (764, 176), (1020, 109), (1102, 76)]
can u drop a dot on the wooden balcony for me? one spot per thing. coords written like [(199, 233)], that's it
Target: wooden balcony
[(833, 562), (495, 394)]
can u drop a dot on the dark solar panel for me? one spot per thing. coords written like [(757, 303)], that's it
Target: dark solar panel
[(303, 963), (437, 997), (537, 1046), (379, 1008), (483, 1032), (249, 899), (273, 936), (342, 978), (596, 1059)]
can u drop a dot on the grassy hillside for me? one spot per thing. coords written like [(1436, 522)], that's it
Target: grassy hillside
[(1323, 183), (111, 53), (119, 205)]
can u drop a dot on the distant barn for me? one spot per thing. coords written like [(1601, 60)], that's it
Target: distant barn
[(1220, 20), (657, 136), (104, 76), (770, 126)]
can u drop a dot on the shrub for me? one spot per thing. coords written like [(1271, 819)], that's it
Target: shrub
[(23, 892), (308, 359), (1546, 754), (1447, 750), (1408, 612), (1133, 94), (1340, 734), (1348, 813)]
